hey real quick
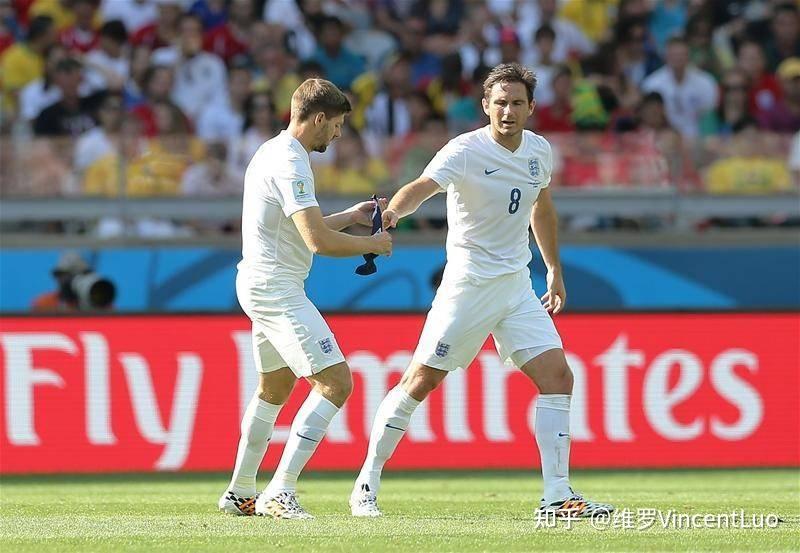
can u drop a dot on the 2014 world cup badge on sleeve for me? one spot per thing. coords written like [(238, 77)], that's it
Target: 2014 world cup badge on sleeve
[(533, 167)]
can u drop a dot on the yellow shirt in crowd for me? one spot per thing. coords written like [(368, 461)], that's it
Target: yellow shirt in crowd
[(154, 173), (19, 65), (748, 175), (351, 181)]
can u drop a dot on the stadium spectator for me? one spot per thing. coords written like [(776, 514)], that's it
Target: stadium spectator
[(341, 65), (651, 119), (259, 126), (570, 42), (733, 108), (81, 36), (352, 172), (688, 92), (42, 93), (764, 90), (10, 29), (784, 40), (156, 88), (148, 169), (212, 177), (785, 114), (134, 13), (442, 17), (510, 48), (223, 120), (750, 168), (72, 115), (296, 22), (275, 69), (557, 116), (23, 62), (388, 114), (212, 13), (232, 39), (474, 47), (60, 11), (100, 141), (702, 52), (199, 76), (424, 65), (162, 32), (635, 49), (449, 86), (543, 64), (108, 67)]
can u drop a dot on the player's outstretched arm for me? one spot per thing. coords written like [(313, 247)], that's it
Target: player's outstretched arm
[(323, 240), (359, 214), (544, 222), (408, 199)]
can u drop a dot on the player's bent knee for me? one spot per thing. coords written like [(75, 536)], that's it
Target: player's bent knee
[(275, 387), (334, 383), (420, 380)]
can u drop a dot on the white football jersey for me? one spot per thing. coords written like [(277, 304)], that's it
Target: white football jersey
[(490, 197), (278, 183)]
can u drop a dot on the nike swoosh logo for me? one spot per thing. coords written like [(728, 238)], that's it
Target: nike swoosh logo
[(534, 184), (487, 172), (562, 435)]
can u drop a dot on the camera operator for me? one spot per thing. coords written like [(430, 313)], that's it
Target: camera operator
[(79, 288)]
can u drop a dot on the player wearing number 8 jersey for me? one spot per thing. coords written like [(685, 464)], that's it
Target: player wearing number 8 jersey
[(497, 183)]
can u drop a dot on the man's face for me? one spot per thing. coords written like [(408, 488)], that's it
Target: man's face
[(331, 36), (791, 88), (241, 11), (508, 108), (191, 36), (677, 56), (69, 81), (328, 130), (786, 26)]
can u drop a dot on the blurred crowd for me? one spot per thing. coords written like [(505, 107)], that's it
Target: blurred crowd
[(173, 97)]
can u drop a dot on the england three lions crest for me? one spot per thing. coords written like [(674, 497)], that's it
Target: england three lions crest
[(442, 349), (533, 167), (326, 345)]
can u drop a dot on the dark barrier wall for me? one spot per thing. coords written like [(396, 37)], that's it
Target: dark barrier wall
[(651, 390), (599, 278)]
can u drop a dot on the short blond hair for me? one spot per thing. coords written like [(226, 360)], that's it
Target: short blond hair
[(318, 95)]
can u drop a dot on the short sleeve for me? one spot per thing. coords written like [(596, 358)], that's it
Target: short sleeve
[(548, 161), (295, 192), (447, 166)]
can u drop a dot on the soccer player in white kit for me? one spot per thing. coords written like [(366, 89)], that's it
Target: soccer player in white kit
[(282, 227), (496, 179)]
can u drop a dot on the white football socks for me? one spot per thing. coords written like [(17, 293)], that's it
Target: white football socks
[(257, 424), (390, 425), (308, 428), (552, 436)]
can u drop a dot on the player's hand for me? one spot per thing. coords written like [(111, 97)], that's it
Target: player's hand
[(390, 219), (362, 212), (381, 243), (556, 296)]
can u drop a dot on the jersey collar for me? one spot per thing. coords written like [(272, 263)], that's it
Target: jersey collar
[(520, 149)]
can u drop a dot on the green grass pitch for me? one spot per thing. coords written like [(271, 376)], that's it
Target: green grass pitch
[(427, 511)]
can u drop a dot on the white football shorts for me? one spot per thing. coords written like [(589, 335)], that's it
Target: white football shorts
[(466, 310), (288, 330)]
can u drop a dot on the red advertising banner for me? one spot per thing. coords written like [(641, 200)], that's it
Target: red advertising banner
[(166, 393)]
